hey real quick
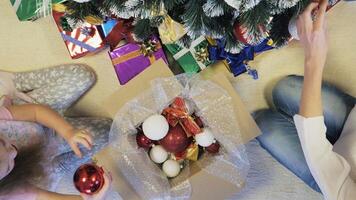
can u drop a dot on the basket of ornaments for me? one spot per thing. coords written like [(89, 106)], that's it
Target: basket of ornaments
[(178, 122)]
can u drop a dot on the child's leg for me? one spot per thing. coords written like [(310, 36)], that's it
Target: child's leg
[(22, 134), (59, 87), (66, 160)]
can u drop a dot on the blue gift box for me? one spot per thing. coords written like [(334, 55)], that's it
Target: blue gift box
[(107, 27)]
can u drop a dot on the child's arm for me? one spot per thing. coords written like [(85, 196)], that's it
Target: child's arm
[(51, 119)]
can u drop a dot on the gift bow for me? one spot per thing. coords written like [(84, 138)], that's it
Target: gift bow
[(192, 51), (170, 31), (149, 47), (178, 113), (150, 55), (237, 61)]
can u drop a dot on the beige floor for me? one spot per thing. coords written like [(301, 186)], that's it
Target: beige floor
[(34, 45)]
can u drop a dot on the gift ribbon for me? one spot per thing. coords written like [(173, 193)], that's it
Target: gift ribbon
[(79, 43), (16, 4), (58, 7), (133, 55), (237, 61), (178, 113), (43, 7), (192, 51)]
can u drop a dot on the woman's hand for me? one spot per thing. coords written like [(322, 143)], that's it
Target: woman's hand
[(313, 37), (79, 137), (103, 192), (312, 34)]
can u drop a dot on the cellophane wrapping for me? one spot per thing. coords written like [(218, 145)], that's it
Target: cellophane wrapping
[(205, 99)]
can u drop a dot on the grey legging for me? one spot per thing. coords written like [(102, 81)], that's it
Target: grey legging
[(58, 87)]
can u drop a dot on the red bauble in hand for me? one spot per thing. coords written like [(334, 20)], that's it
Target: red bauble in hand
[(176, 140), (143, 141), (213, 148), (89, 179)]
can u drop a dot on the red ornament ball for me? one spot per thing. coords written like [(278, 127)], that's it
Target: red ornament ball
[(176, 140), (89, 179), (239, 33), (213, 148), (143, 141)]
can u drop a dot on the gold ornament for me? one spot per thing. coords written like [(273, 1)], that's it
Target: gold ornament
[(270, 42), (193, 152), (93, 20), (148, 47), (202, 54)]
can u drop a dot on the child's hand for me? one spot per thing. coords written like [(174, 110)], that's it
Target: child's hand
[(79, 137), (103, 192)]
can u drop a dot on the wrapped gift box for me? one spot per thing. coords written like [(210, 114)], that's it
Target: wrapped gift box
[(33, 9), (129, 60), (80, 41), (194, 59), (107, 27)]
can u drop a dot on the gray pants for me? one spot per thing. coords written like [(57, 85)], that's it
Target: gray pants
[(58, 87)]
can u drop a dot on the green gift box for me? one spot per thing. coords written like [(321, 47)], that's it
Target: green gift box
[(33, 9), (194, 59)]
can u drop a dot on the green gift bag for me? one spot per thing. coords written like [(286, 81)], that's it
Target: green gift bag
[(194, 59), (33, 9)]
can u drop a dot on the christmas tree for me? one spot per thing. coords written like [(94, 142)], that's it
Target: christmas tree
[(238, 22)]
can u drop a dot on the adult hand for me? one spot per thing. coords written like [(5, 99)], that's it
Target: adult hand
[(79, 137), (101, 195), (312, 33)]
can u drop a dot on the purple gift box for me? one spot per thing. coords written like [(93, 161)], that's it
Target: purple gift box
[(129, 61)]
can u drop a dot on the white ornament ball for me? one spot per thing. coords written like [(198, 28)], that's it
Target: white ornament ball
[(158, 154), (205, 138), (81, 1), (292, 28), (171, 168), (155, 127)]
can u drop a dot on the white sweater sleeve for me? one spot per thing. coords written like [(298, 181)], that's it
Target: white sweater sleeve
[(329, 169)]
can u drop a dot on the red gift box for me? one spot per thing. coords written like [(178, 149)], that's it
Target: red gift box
[(81, 41)]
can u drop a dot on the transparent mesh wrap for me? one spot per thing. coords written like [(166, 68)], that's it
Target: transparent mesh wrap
[(207, 100)]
